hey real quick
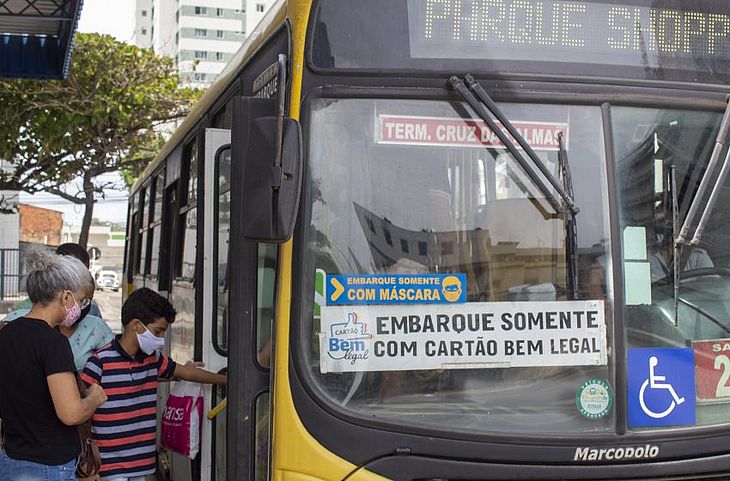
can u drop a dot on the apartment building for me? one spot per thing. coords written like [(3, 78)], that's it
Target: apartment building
[(201, 35), (255, 11)]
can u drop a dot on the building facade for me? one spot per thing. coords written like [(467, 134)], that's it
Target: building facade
[(255, 11), (40, 226), (109, 239), (200, 35)]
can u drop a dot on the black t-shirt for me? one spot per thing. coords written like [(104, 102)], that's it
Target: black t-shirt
[(31, 350)]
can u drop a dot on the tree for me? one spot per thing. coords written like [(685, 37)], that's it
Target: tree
[(62, 136)]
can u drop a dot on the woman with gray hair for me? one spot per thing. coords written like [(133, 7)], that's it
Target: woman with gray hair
[(40, 404), (90, 332)]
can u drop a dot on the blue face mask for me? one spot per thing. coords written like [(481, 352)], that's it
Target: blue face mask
[(149, 343)]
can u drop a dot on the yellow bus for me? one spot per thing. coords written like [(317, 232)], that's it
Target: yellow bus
[(436, 240)]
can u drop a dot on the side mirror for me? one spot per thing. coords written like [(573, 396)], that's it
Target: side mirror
[(267, 152)]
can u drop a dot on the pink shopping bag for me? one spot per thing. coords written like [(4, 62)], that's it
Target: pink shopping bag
[(181, 418)]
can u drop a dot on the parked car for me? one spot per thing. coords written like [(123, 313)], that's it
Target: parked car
[(106, 279)]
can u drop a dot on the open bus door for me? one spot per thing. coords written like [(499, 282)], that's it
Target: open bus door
[(239, 285), (215, 296)]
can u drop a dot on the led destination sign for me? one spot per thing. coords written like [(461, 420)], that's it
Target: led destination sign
[(618, 33)]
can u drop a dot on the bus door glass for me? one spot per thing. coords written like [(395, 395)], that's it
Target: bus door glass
[(216, 347), (217, 189), (265, 298)]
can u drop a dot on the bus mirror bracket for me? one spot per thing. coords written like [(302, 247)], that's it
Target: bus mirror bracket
[(270, 167)]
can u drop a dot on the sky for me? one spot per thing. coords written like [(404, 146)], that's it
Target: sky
[(113, 17)]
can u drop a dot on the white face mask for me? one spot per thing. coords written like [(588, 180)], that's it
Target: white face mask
[(149, 343)]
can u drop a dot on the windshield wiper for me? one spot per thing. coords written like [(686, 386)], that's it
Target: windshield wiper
[(491, 105), (571, 228), (720, 142), (677, 255), (481, 109)]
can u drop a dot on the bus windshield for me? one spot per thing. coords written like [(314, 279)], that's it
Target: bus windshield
[(413, 191)]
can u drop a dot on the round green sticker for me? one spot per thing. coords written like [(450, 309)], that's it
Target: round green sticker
[(594, 398)]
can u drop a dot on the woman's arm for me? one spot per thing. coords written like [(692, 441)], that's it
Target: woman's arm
[(70, 408)]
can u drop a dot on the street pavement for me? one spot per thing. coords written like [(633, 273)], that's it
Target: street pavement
[(110, 304)]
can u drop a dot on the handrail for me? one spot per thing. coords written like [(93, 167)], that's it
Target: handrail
[(218, 409)]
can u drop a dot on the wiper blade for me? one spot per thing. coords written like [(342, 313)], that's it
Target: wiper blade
[(491, 105), (720, 142), (677, 256), (571, 227), (457, 84), (712, 318)]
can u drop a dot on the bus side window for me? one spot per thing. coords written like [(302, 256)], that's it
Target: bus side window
[(156, 224), (222, 233), (142, 232), (185, 262), (169, 227), (132, 251)]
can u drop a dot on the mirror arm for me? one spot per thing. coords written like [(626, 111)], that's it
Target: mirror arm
[(277, 174), (280, 122), (677, 259)]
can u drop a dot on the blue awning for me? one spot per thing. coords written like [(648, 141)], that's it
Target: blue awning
[(36, 37)]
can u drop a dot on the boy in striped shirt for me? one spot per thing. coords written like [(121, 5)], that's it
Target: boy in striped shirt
[(125, 427)]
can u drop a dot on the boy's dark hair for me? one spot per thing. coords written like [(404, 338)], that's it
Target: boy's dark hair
[(147, 305), (74, 250)]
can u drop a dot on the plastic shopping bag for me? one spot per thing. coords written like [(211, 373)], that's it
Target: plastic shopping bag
[(182, 417)]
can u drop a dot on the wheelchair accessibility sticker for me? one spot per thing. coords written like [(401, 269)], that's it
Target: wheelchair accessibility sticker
[(661, 387)]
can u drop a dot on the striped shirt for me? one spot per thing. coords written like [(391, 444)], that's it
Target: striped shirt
[(125, 427)]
